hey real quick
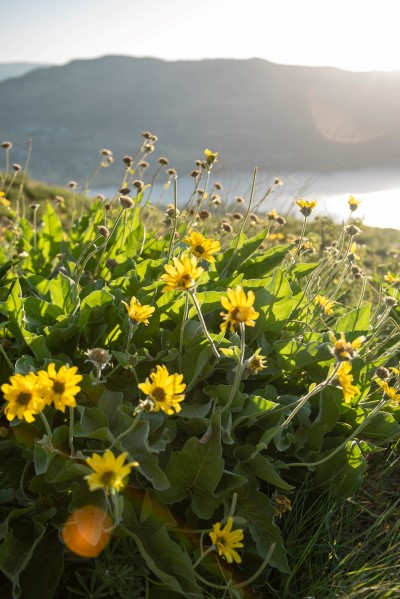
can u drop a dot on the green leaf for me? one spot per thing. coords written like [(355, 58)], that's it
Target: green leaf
[(302, 270), (14, 309), (344, 471), (50, 237), (163, 556), (256, 508), (63, 293), (198, 467), (46, 565), (355, 321), (262, 467), (265, 263)]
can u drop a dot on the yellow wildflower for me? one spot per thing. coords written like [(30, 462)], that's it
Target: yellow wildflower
[(306, 207), (226, 540), (183, 275), (353, 203), (211, 157), (109, 471), (23, 398), (3, 200), (256, 363), (59, 387), (345, 381), (324, 303), (390, 392), (275, 237), (392, 279), (201, 247), (137, 312), (240, 309), (272, 214), (282, 504), (344, 350), (165, 390)]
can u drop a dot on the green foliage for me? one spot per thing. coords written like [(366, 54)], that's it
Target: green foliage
[(246, 437)]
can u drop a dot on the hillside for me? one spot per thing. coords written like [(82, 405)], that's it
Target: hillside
[(251, 111), (17, 69)]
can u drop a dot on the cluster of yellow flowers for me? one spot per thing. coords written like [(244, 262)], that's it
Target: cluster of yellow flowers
[(344, 351), (27, 395)]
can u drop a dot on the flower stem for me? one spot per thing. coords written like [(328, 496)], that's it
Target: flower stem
[(71, 431), (203, 324), (47, 427), (128, 430), (171, 243), (240, 366), (203, 555), (185, 315)]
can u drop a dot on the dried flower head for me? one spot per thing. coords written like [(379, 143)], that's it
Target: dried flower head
[(204, 214), (237, 216), (6, 145), (382, 373), (352, 230), (195, 173), (103, 231), (278, 181), (281, 220), (98, 357), (16, 167), (128, 160), (143, 164), (239, 199), (124, 191), (163, 161), (218, 185), (226, 227), (72, 184), (148, 148), (172, 172), (147, 135), (390, 301), (282, 505), (126, 202), (106, 152)]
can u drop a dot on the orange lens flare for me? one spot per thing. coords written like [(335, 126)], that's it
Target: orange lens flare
[(86, 531)]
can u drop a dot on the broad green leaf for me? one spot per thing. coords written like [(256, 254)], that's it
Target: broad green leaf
[(265, 263), (198, 467), (51, 234), (63, 293), (46, 565), (344, 471), (355, 321)]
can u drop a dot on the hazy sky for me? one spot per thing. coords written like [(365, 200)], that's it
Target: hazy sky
[(350, 34)]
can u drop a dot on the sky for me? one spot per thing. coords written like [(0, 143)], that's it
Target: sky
[(357, 35)]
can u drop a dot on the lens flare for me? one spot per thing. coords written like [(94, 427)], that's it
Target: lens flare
[(86, 531)]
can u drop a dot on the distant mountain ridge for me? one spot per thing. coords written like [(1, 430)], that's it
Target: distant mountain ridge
[(9, 70), (251, 111)]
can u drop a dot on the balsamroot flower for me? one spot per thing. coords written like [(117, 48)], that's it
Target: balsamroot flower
[(109, 471), (353, 203), (256, 363), (59, 387), (392, 279), (226, 540), (345, 380), (201, 247), (390, 392), (324, 303), (240, 309), (306, 207), (23, 398), (211, 157), (165, 390), (344, 350), (183, 275), (137, 312)]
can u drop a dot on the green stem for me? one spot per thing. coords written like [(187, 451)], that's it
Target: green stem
[(47, 427), (185, 315), (128, 430), (171, 243), (240, 366), (203, 324), (203, 555), (200, 203), (248, 581), (71, 432), (293, 260)]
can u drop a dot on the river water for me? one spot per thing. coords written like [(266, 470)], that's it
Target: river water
[(378, 190)]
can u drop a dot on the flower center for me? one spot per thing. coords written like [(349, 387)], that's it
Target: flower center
[(185, 281), (199, 249), (107, 477), (58, 387), (237, 315), (24, 398), (159, 394)]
